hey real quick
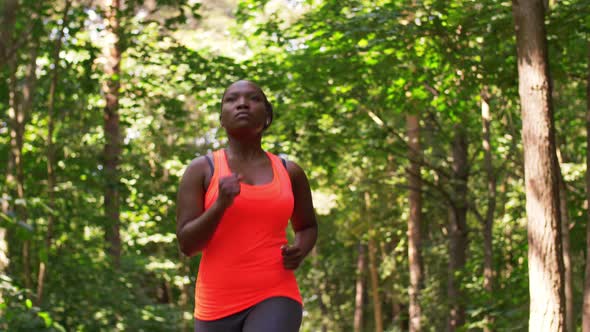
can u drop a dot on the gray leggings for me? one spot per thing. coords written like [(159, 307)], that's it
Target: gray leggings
[(276, 314)]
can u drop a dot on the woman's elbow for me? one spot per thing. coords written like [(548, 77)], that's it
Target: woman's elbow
[(190, 251), (186, 250), (187, 247)]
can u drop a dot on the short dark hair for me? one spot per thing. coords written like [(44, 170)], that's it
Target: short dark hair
[(269, 110)]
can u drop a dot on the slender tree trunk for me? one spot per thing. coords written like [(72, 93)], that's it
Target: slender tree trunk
[(586, 309), (7, 59), (414, 224), (488, 266), (373, 273), (13, 111), (358, 299), (567, 257), (112, 149), (22, 112), (374, 277), (545, 255), (51, 179), (565, 244), (8, 19), (458, 231)]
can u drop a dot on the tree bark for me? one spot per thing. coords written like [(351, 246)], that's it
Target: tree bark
[(458, 231), (9, 8), (7, 59), (414, 224), (21, 114), (488, 266), (545, 255), (565, 244), (112, 149), (358, 299), (373, 273), (374, 277), (51, 178), (586, 307), (567, 257)]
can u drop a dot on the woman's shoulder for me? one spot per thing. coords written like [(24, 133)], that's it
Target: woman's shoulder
[(295, 171), (199, 165), (293, 168)]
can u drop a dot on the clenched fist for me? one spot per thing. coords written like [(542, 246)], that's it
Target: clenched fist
[(292, 256), (229, 188)]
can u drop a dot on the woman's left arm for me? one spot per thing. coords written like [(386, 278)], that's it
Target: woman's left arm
[(303, 219)]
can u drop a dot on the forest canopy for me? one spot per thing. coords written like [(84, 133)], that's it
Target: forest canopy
[(442, 140)]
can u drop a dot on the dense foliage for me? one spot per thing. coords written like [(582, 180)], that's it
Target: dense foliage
[(342, 76)]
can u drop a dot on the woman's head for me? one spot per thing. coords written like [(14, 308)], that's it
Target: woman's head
[(245, 108)]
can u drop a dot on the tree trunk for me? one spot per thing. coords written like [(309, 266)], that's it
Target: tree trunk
[(9, 10), (374, 277), (7, 58), (414, 221), (565, 244), (358, 299), (21, 115), (545, 255), (586, 308), (112, 149), (567, 257), (458, 231), (373, 273), (51, 180), (488, 266)]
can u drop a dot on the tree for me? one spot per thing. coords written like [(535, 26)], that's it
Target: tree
[(545, 256), (112, 132), (586, 305), (51, 155), (488, 227), (8, 18), (458, 233), (414, 221), (359, 289), (373, 267)]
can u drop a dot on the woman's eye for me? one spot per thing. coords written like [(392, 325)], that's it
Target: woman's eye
[(256, 98)]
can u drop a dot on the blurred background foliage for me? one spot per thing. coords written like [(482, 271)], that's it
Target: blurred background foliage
[(343, 76)]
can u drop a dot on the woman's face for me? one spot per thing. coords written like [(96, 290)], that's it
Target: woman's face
[(243, 108)]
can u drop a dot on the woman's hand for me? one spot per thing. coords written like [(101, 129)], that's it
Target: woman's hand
[(292, 256), (229, 188)]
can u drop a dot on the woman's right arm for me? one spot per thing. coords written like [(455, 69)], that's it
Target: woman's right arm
[(194, 226)]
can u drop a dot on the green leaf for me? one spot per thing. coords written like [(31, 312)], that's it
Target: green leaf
[(46, 318)]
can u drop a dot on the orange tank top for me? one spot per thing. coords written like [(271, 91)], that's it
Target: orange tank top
[(242, 262)]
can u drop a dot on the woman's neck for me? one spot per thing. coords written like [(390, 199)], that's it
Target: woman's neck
[(244, 149)]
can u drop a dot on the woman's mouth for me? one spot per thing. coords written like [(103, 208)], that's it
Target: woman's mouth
[(242, 115)]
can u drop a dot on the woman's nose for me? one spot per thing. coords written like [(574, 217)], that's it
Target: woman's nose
[(242, 101)]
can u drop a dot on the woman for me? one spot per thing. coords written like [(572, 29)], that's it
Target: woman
[(234, 205)]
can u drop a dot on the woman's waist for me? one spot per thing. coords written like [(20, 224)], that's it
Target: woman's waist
[(242, 277), (251, 250)]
